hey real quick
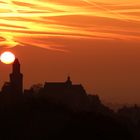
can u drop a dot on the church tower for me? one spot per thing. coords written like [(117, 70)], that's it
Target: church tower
[(16, 78)]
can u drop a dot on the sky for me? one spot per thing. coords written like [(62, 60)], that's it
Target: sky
[(96, 42)]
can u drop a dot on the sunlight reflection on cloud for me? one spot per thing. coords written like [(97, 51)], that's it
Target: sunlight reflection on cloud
[(87, 19)]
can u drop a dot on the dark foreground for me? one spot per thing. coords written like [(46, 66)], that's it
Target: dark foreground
[(38, 119)]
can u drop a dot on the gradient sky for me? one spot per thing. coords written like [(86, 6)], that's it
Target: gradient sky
[(96, 42)]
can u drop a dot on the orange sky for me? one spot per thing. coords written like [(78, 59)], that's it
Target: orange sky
[(97, 42)]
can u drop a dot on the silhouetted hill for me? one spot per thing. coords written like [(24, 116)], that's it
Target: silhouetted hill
[(38, 119), (60, 110)]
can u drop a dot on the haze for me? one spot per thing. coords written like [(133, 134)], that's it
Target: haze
[(96, 42)]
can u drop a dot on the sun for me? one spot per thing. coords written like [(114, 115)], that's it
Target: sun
[(7, 57)]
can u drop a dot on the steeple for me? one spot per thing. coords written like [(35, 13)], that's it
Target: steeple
[(16, 66), (16, 78), (69, 82)]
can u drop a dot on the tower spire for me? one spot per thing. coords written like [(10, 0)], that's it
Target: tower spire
[(16, 66), (69, 82), (16, 78)]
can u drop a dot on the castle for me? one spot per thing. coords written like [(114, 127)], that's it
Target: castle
[(65, 93), (57, 92)]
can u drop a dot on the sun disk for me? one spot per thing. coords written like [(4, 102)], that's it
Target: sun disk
[(7, 57)]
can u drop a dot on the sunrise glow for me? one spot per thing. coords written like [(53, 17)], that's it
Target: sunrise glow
[(21, 22)]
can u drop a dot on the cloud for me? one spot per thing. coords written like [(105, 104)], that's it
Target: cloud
[(74, 19)]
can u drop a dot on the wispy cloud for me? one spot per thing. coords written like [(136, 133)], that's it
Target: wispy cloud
[(33, 22)]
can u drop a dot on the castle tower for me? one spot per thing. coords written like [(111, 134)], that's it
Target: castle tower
[(16, 78)]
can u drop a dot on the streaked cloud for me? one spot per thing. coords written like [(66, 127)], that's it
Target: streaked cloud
[(37, 22)]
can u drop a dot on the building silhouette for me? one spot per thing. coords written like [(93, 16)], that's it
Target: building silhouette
[(71, 95), (14, 88), (16, 78)]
